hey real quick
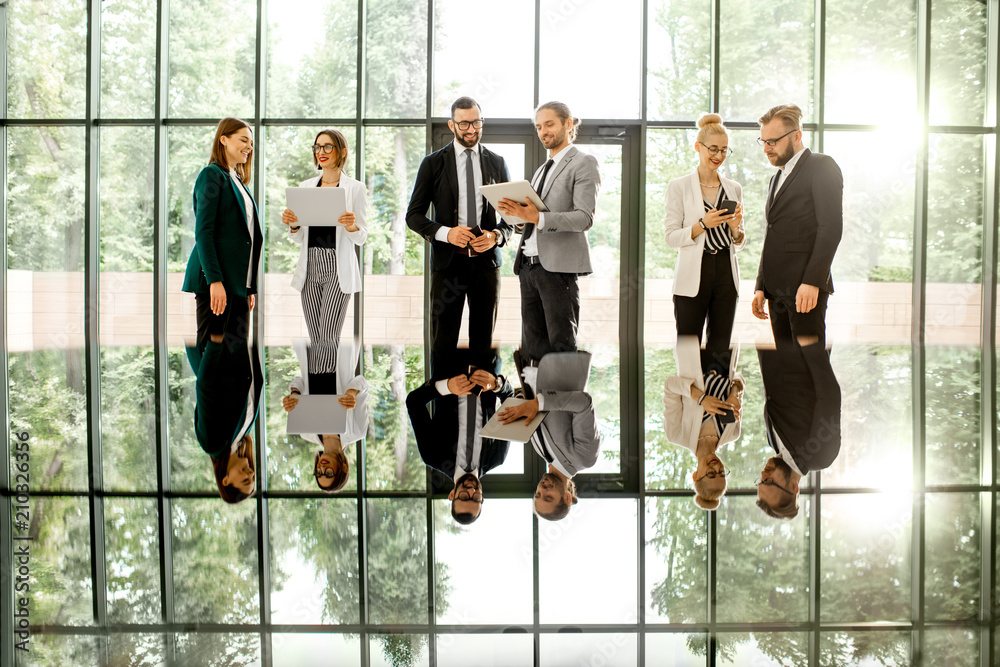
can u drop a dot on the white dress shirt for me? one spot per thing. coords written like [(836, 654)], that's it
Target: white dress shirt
[(786, 170), (785, 455), (531, 245), (463, 196), (248, 204)]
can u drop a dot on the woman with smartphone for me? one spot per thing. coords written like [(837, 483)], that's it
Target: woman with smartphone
[(328, 272), (702, 412), (705, 223)]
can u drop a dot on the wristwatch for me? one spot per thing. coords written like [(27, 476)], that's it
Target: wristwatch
[(701, 221)]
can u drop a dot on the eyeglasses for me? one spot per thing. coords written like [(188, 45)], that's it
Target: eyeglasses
[(323, 148), (770, 482), (465, 495), (712, 474), (329, 473), (465, 124), (715, 151), (773, 142)]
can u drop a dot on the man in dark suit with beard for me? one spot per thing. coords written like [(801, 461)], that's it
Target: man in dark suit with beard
[(450, 441), (464, 266), (805, 219), (801, 421)]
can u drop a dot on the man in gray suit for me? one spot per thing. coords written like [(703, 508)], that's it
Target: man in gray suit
[(554, 248), (568, 438)]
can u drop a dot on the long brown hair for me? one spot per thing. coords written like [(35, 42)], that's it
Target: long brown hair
[(220, 464), (227, 127)]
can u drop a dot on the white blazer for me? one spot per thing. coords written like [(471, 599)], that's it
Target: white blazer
[(681, 414), (348, 271), (685, 205), (347, 360)]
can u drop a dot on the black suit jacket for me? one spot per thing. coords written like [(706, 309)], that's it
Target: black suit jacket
[(805, 221), (437, 436), (437, 184), (224, 371), (802, 403)]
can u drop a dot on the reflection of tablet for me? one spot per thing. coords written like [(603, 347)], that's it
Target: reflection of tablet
[(519, 431), (519, 191), (316, 207), (317, 414)]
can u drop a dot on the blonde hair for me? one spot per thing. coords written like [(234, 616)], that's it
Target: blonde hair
[(709, 124), (790, 115), (708, 496)]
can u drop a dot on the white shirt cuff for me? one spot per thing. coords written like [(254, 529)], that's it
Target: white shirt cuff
[(441, 234), (442, 387), (541, 220), (541, 403)]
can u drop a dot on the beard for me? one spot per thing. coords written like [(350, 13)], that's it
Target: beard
[(465, 478), (782, 158), (782, 467), (460, 138)]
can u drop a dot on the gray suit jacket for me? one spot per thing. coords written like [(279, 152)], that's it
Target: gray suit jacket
[(570, 427), (570, 194)]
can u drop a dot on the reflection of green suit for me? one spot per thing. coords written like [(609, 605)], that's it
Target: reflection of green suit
[(224, 373), (224, 249)]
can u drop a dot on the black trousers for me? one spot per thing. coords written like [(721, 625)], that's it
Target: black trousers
[(472, 279), (788, 325), (550, 311), (233, 324), (715, 302)]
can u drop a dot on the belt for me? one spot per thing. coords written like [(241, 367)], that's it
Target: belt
[(468, 252), (531, 259)]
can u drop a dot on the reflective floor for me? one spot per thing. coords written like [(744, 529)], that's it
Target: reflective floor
[(884, 565)]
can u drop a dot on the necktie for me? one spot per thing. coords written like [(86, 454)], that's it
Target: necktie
[(538, 189), (470, 191), (774, 188), (470, 425)]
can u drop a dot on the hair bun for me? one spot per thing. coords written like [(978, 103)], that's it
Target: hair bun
[(709, 119)]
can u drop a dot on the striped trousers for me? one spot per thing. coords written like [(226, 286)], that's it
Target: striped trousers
[(324, 305)]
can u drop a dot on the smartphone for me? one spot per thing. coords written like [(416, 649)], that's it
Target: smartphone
[(727, 417), (476, 389), (728, 207)]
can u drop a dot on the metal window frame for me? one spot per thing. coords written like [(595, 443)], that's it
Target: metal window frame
[(631, 354)]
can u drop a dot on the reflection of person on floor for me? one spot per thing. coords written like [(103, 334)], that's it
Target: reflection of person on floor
[(702, 410), (327, 272), (324, 370), (801, 419), (450, 441), (567, 438), (228, 388), (554, 249)]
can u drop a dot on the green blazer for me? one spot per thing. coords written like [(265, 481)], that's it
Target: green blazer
[(223, 248), (224, 373)]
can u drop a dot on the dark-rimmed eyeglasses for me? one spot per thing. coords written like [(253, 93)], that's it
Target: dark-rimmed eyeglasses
[(712, 474), (713, 151), (475, 496), (466, 124), (773, 142), (323, 148), (329, 473), (771, 482)]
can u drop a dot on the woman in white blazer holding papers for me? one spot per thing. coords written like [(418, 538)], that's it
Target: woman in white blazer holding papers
[(707, 277), (328, 273)]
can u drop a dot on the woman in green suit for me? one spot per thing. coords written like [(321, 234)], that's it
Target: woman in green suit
[(222, 274)]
